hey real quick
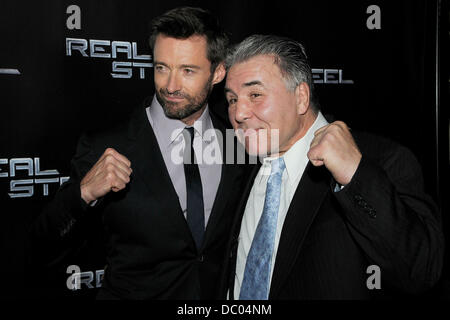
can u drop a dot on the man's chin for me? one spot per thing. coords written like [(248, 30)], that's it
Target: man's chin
[(171, 108), (256, 151), (171, 114), (174, 110), (179, 112)]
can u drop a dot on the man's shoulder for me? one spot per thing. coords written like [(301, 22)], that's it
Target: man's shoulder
[(113, 132), (120, 133), (382, 149)]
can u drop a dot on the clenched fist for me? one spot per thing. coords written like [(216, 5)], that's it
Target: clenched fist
[(111, 172), (334, 147)]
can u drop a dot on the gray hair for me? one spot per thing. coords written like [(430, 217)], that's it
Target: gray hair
[(289, 55)]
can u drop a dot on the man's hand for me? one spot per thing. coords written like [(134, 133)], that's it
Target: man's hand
[(334, 147), (111, 172)]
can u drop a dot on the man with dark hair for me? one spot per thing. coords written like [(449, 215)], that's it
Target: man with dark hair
[(330, 213), (179, 24), (167, 221)]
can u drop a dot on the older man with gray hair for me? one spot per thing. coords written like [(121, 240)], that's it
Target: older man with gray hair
[(330, 214)]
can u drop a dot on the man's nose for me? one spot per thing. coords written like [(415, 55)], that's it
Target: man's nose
[(243, 111), (173, 83)]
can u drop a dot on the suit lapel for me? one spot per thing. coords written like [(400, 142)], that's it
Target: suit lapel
[(148, 165), (310, 193)]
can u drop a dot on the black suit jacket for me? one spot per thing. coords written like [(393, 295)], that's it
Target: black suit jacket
[(382, 217), (150, 250)]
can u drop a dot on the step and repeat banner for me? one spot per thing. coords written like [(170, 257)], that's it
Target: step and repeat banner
[(67, 67)]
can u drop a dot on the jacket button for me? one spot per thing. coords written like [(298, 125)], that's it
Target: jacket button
[(362, 203), (201, 258), (372, 213)]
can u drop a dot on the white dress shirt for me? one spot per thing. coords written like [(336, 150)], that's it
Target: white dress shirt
[(296, 160)]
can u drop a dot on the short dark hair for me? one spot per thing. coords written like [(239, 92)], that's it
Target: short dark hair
[(184, 22)]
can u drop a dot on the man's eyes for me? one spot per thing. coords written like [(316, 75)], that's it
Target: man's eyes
[(160, 68), (251, 95), (232, 101), (163, 68), (189, 71)]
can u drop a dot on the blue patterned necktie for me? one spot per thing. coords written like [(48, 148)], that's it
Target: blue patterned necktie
[(255, 285)]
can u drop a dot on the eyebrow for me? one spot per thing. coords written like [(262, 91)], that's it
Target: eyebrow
[(191, 66), (253, 83), (228, 90), (247, 84)]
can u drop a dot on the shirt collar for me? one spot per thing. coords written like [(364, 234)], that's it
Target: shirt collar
[(296, 157), (169, 129), (204, 123)]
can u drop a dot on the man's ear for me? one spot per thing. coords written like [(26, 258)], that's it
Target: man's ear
[(219, 73), (302, 96)]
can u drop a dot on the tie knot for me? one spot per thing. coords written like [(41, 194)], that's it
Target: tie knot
[(188, 134), (277, 166), (190, 130)]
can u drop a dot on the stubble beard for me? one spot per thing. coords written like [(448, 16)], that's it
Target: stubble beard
[(175, 110)]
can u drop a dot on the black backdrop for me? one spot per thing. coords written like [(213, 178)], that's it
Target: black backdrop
[(390, 86)]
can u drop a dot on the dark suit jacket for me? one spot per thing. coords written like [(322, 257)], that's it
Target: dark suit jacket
[(382, 217), (150, 250)]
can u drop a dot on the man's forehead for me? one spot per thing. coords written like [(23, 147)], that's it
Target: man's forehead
[(189, 51), (235, 85), (257, 71), (193, 38), (195, 45)]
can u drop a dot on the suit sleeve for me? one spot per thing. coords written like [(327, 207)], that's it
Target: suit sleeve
[(62, 213), (394, 222)]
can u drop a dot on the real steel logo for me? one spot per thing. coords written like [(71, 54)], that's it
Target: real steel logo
[(329, 76), (88, 278), (29, 170), (106, 49)]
